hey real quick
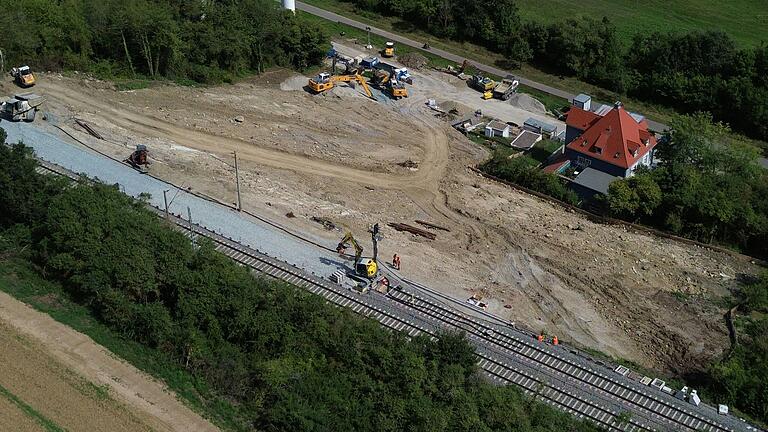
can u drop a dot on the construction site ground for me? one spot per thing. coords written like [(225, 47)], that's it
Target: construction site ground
[(353, 161)]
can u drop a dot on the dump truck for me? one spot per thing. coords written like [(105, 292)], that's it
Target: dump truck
[(21, 107), (482, 83), (23, 76), (506, 87)]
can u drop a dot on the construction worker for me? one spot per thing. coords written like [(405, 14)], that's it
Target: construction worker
[(396, 262), (540, 337), (555, 341)]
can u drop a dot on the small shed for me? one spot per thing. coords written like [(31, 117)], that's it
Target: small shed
[(495, 128), (583, 101), (537, 126), (591, 182), (526, 140)]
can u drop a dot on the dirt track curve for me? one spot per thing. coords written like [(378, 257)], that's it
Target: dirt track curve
[(421, 186)]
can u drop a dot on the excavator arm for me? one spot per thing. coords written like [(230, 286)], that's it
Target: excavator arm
[(342, 246), (362, 82)]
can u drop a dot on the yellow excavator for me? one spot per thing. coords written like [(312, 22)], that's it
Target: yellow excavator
[(325, 81), (396, 89), (365, 267)]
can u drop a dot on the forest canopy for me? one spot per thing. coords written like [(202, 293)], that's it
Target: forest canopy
[(203, 41)]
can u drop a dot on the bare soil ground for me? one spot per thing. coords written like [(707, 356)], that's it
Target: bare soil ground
[(337, 156), (74, 383), (47, 387)]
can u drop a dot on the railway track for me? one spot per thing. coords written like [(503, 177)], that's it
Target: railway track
[(496, 347), (369, 307), (635, 396)]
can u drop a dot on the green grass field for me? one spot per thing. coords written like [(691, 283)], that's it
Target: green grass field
[(745, 20)]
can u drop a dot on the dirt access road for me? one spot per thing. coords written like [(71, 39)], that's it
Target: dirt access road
[(340, 156), (52, 375)]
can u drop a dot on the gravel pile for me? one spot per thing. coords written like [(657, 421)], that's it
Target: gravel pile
[(294, 83), (528, 103), (413, 60)]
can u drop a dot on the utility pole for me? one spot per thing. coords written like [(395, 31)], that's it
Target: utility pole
[(189, 218), (165, 199), (2, 62), (368, 29), (237, 182)]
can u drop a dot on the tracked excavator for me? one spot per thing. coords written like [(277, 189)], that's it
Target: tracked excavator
[(386, 82), (366, 272), (325, 81), (364, 267)]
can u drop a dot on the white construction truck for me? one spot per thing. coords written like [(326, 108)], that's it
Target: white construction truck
[(21, 107), (506, 87)]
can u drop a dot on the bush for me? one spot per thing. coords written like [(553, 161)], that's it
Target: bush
[(524, 171)]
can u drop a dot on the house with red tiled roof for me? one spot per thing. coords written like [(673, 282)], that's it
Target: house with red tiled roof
[(609, 139)]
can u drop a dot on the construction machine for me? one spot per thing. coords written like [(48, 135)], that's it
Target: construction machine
[(325, 81), (482, 83), (21, 107), (397, 89), (506, 87), (389, 49), (139, 159), (366, 268), (385, 81), (23, 76)]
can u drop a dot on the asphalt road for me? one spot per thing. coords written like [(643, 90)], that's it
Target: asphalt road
[(656, 126)]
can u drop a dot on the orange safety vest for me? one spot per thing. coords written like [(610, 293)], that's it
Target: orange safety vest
[(541, 338), (555, 341)]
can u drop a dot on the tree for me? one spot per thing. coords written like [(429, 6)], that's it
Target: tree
[(634, 198)]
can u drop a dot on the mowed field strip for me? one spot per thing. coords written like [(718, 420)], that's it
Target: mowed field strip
[(39, 393), (54, 378)]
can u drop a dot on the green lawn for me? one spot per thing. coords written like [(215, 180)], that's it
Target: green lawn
[(745, 20), (543, 149)]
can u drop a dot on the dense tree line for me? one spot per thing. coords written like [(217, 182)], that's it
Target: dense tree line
[(525, 171), (739, 378), (283, 359), (698, 71), (493, 24), (204, 41), (707, 186)]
